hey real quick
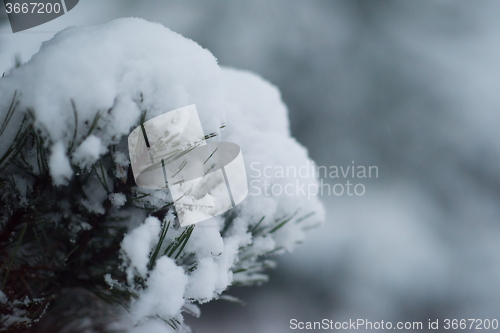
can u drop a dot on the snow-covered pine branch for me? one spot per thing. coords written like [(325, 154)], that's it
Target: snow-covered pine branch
[(78, 238)]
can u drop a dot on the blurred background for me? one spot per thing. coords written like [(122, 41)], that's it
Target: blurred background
[(411, 87)]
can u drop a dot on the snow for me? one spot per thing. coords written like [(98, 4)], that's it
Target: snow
[(258, 123), (137, 244), (202, 282), (164, 296), (110, 281), (117, 199), (225, 261), (88, 152), (206, 240), (60, 169), (122, 162), (264, 243), (94, 195)]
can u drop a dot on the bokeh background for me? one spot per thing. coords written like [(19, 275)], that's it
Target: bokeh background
[(412, 87)]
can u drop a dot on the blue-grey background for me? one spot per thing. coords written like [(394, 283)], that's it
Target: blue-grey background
[(412, 87)]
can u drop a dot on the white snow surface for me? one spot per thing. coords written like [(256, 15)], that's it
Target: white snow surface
[(89, 151), (137, 244), (118, 199), (165, 294), (105, 68), (59, 166)]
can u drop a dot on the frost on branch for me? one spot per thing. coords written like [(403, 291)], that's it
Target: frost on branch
[(73, 223)]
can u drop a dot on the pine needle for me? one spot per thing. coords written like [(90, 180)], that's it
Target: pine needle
[(94, 123), (254, 229), (210, 155), (75, 113), (281, 224), (13, 105), (152, 260)]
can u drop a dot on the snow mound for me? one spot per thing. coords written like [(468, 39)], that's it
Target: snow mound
[(114, 71)]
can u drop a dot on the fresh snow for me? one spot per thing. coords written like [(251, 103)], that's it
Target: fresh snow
[(89, 151), (137, 244), (165, 295), (117, 199)]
